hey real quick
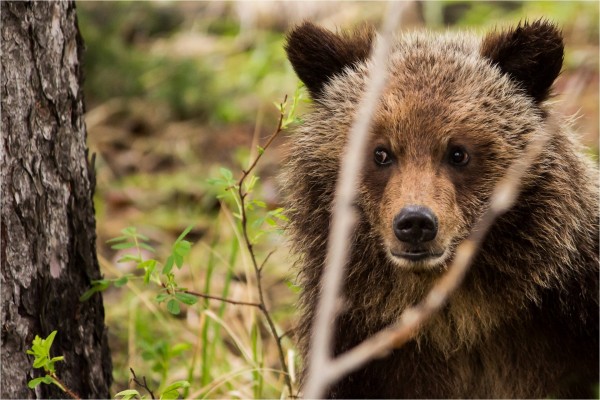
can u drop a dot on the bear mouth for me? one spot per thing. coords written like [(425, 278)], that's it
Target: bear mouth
[(416, 255)]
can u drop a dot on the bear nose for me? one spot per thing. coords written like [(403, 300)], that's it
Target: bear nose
[(415, 225)]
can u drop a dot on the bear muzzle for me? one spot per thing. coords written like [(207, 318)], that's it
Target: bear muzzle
[(415, 227)]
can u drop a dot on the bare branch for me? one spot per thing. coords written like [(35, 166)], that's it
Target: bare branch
[(245, 173), (142, 384), (343, 216), (266, 259), (223, 299)]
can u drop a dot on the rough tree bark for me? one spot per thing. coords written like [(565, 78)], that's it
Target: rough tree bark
[(48, 226)]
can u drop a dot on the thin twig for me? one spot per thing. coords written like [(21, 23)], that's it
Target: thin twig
[(258, 269), (265, 260), (504, 195), (143, 384), (269, 141), (343, 214), (223, 299)]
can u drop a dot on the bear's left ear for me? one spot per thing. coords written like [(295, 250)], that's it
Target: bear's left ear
[(531, 54), (318, 54)]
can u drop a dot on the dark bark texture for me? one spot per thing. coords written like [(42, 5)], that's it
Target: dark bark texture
[(48, 227)]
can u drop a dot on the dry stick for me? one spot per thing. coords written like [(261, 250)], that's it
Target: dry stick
[(343, 215), (504, 195), (143, 384), (211, 297), (258, 268), (223, 299)]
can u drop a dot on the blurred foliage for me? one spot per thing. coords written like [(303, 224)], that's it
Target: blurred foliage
[(120, 61)]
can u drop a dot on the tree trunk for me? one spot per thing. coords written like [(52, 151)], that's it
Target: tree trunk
[(48, 253)]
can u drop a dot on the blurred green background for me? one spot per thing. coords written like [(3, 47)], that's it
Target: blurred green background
[(174, 91)]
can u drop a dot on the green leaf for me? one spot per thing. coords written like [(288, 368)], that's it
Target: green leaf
[(260, 150), (117, 239), (128, 394), (251, 183), (40, 362), (129, 257), (171, 391), (49, 340), (148, 274), (122, 281), (147, 264), (97, 286), (227, 174), (162, 297), (271, 221), (142, 236), (168, 265), (182, 248), (146, 246), (34, 382), (102, 283), (44, 379), (180, 348), (185, 233), (170, 395), (173, 307), (293, 287), (282, 217), (176, 385), (215, 181), (122, 246), (178, 260), (129, 231), (40, 349), (186, 298)]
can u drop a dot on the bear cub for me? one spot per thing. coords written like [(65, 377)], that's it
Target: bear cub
[(456, 111)]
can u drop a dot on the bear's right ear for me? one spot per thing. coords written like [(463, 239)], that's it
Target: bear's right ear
[(318, 54)]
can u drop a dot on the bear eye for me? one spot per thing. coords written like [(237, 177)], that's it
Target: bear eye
[(382, 157), (458, 156)]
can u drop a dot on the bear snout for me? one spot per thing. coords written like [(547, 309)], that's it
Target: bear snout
[(415, 225)]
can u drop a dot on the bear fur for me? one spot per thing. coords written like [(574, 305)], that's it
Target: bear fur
[(524, 324)]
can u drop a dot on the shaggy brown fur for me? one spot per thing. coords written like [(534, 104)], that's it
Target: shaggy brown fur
[(525, 322)]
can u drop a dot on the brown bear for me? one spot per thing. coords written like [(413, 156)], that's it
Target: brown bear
[(455, 113)]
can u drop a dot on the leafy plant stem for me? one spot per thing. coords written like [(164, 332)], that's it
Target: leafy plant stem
[(242, 194), (64, 387)]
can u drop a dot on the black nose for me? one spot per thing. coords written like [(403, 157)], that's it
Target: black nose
[(415, 225)]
